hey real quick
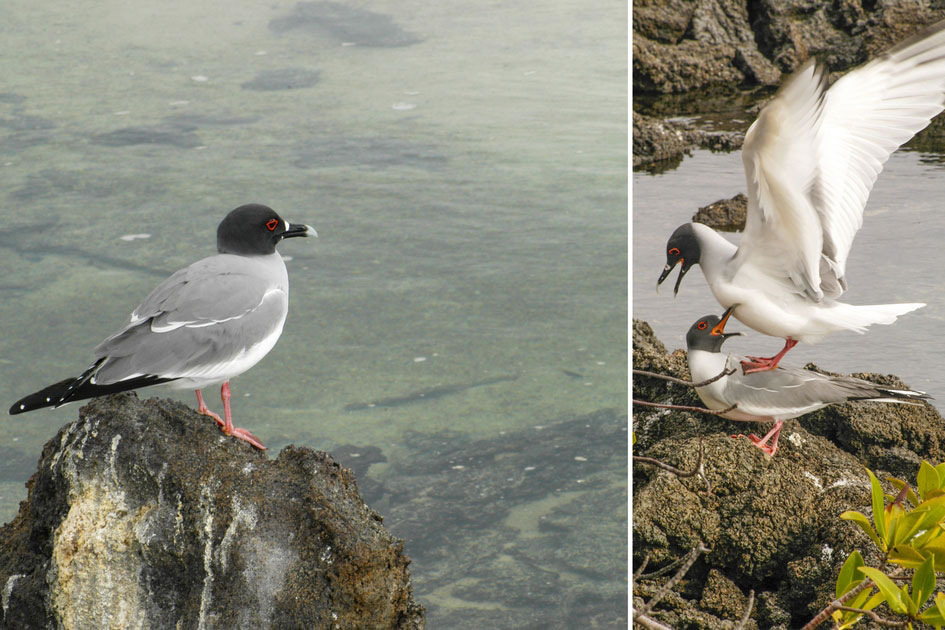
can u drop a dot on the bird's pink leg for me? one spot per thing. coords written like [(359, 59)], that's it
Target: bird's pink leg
[(763, 364), (204, 410), (228, 427), (762, 443)]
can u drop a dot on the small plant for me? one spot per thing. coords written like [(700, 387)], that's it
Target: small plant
[(912, 538)]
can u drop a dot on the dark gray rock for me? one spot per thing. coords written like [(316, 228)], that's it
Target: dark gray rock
[(345, 24), (772, 524), (727, 215), (660, 144), (143, 514)]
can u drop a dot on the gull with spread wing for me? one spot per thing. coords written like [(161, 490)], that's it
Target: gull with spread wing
[(810, 159)]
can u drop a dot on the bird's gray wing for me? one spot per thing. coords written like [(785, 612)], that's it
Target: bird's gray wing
[(193, 320), (789, 392)]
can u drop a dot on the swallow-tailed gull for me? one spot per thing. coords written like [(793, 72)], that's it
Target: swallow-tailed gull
[(771, 395), (203, 326), (810, 160)]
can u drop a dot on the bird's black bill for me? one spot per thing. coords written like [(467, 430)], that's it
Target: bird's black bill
[(299, 229), (682, 271)]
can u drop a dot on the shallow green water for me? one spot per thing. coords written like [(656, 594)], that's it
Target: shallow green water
[(465, 166)]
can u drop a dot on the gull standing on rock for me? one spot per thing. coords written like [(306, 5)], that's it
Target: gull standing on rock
[(810, 159), (771, 395), (204, 325)]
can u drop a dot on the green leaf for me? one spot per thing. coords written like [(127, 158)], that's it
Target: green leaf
[(890, 591), (935, 614), (912, 606), (864, 523), (879, 521), (849, 576), (908, 525), (934, 510), (923, 580), (907, 556), (927, 480)]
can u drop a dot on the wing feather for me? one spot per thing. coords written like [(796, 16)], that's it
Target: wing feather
[(813, 155)]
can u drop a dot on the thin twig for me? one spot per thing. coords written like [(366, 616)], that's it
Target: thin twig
[(650, 623), (673, 379), (843, 599), (748, 607), (682, 474), (645, 403), (872, 615), (646, 560), (671, 582)]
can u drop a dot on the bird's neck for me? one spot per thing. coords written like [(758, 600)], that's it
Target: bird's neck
[(715, 251)]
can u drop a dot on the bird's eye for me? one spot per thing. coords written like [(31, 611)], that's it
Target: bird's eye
[(271, 224), (674, 251), (702, 325)]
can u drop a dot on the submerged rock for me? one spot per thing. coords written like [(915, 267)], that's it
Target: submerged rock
[(142, 514), (772, 524)]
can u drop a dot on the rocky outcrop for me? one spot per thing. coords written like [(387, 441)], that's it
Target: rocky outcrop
[(661, 144), (685, 45), (143, 515), (771, 524), (727, 215), (698, 56)]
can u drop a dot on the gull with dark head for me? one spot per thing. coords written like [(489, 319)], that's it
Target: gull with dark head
[(810, 160), (770, 396), (204, 325)]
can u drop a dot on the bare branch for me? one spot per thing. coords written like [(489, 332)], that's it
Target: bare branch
[(687, 563), (697, 469), (646, 561), (645, 403), (876, 618), (650, 623), (673, 379), (838, 603), (748, 607)]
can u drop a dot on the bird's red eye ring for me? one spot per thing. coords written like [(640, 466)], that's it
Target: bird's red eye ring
[(674, 251), (702, 325), (271, 224)]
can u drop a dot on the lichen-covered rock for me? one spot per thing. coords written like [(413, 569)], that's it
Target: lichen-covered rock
[(659, 145), (688, 54), (726, 215), (772, 523), (143, 515)]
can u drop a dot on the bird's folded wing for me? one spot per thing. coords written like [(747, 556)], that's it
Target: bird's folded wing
[(782, 391), (188, 323), (813, 154)]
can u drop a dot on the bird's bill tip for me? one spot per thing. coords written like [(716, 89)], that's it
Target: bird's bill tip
[(299, 229)]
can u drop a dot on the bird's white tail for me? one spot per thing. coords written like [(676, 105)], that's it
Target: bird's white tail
[(860, 317)]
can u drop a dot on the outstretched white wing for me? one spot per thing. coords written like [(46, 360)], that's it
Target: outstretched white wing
[(813, 154)]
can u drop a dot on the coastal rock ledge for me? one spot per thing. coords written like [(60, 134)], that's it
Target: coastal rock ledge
[(143, 515)]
